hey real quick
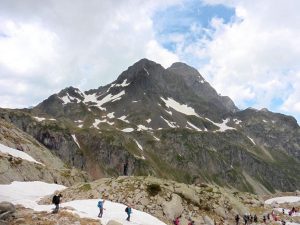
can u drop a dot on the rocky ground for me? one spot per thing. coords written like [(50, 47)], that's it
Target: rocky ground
[(167, 199)]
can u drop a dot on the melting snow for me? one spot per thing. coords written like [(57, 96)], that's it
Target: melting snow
[(111, 115), (222, 126), (123, 118), (108, 98), (146, 71), (124, 84), (78, 121), (80, 126), (42, 118), (138, 144), (96, 123), (170, 112), (251, 140), (17, 153), (128, 130), (39, 118), (171, 103), (135, 101), (68, 99), (155, 138), (170, 124), (75, 139), (142, 127), (148, 120), (193, 126), (237, 121), (286, 199), (29, 193), (265, 121)]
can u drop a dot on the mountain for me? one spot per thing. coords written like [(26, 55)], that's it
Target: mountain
[(169, 123)]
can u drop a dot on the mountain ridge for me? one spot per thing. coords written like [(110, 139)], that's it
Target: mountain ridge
[(168, 123)]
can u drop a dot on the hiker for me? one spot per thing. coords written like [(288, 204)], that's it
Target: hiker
[(264, 219), (255, 218), (237, 219), (128, 211), (125, 169), (245, 219), (192, 222), (176, 221), (56, 200), (100, 206), (282, 211), (283, 222)]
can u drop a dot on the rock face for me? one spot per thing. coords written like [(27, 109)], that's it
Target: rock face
[(52, 169), (168, 123)]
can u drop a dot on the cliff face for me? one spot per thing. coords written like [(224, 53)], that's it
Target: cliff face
[(169, 123), (50, 168)]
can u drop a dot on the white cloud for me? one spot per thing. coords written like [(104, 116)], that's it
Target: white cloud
[(53, 44), (255, 57)]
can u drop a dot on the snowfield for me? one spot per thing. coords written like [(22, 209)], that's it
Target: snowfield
[(29, 193), (171, 103), (17, 153), (280, 200)]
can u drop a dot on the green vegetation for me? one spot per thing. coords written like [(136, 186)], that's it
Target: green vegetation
[(85, 187), (153, 189)]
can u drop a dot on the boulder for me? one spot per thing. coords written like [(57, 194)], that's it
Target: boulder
[(220, 211), (6, 210), (113, 222), (173, 208), (208, 220)]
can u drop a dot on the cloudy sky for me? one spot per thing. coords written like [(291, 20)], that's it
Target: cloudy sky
[(248, 50)]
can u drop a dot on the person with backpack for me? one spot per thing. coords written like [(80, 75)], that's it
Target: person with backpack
[(176, 221), (128, 211), (100, 206), (56, 200), (237, 219), (192, 222), (255, 218)]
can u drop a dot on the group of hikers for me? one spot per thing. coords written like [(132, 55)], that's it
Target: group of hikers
[(177, 221), (247, 219)]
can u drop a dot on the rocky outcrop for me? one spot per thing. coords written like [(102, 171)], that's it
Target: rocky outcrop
[(51, 169), (7, 210), (166, 199)]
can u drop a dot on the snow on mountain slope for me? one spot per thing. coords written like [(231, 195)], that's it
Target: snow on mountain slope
[(286, 199), (171, 103), (17, 153)]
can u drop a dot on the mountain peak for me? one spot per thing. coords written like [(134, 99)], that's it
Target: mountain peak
[(184, 69)]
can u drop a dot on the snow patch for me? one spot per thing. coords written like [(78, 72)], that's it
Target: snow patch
[(135, 101), (138, 144), (156, 138), (123, 118), (193, 126), (142, 127), (280, 200), (78, 121), (146, 71), (148, 120), (111, 115), (170, 124), (251, 140), (237, 121), (128, 130), (171, 103), (80, 126), (265, 121), (17, 153), (40, 119), (222, 126), (123, 84), (75, 139)]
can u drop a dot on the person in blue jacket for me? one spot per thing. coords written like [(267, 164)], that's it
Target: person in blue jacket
[(100, 206), (128, 210)]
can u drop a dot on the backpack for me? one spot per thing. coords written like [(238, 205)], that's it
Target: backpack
[(126, 210), (55, 199), (100, 204)]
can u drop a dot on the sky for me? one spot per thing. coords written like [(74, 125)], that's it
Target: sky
[(247, 50)]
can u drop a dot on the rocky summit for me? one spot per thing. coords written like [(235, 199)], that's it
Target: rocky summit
[(168, 123)]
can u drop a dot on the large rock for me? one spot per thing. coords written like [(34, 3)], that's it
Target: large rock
[(6, 210), (173, 208), (208, 220), (113, 222)]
